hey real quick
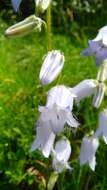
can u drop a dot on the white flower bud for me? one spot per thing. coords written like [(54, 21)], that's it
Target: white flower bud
[(31, 23), (99, 95), (102, 73), (42, 4), (51, 67)]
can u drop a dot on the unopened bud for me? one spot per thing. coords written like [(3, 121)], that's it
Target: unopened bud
[(99, 95), (31, 23), (102, 73)]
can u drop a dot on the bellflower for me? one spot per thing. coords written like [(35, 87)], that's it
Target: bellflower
[(84, 88), (88, 149), (16, 4), (102, 129), (31, 23), (58, 108), (98, 49), (52, 66), (102, 36), (44, 139), (42, 4), (61, 155)]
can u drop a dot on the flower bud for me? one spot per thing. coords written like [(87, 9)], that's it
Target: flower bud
[(42, 4), (99, 95), (51, 67), (24, 27), (102, 73)]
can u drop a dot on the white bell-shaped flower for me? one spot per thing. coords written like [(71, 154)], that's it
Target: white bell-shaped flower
[(102, 35), (44, 138), (88, 150), (52, 66), (84, 88), (58, 108), (42, 4), (102, 129), (61, 155)]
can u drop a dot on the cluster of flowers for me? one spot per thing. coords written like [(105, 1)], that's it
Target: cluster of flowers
[(58, 110)]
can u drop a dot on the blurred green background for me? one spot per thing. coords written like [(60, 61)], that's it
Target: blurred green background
[(74, 21)]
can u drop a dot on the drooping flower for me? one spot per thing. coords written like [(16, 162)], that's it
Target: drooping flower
[(102, 36), (52, 66), (89, 147), (98, 49), (58, 108), (42, 4), (44, 138), (84, 88), (16, 4), (28, 25), (102, 129), (61, 155)]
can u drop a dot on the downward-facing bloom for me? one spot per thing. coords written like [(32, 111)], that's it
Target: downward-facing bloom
[(102, 129), (84, 88), (44, 138), (102, 36), (61, 155), (53, 117), (58, 108), (42, 4), (31, 23), (52, 66), (16, 4), (98, 49), (88, 150)]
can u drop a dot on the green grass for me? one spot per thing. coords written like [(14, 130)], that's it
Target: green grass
[(20, 95)]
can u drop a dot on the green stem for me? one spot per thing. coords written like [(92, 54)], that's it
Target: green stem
[(49, 32)]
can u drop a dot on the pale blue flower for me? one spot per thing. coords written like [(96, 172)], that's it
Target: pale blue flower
[(16, 4), (98, 49), (88, 150), (52, 66), (102, 129), (83, 89), (61, 155)]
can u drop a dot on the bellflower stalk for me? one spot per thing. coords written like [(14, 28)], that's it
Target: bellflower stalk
[(52, 66), (61, 155), (58, 108), (83, 89), (102, 129), (88, 150), (28, 25)]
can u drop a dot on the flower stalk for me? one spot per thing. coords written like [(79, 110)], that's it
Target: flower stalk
[(49, 31)]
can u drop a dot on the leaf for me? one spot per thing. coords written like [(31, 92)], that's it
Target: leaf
[(16, 4), (52, 180)]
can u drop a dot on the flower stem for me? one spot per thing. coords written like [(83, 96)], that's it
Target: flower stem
[(49, 32)]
